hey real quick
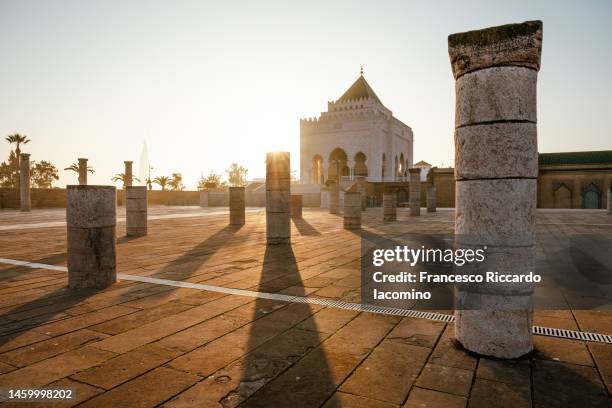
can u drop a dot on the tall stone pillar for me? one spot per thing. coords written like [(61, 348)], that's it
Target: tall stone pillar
[(352, 210), (136, 211), (610, 200), (128, 174), (496, 166), (296, 206), (415, 191), (204, 198), (389, 204), (236, 205), (278, 182), (334, 197), (431, 199), (91, 219), (362, 188), (24, 182), (82, 171)]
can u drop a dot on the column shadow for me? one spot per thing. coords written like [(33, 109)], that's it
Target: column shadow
[(304, 228), (278, 343)]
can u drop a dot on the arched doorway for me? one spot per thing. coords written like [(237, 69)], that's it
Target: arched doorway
[(317, 170), (384, 164), (360, 167), (395, 169), (591, 197), (337, 164), (562, 197), (401, 169)]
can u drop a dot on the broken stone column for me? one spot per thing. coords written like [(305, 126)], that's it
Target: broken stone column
[(204, 198), (278, 182), (496, 166), (236, 205), (128, 174), (334, 197), (296, 206), (362, 188), (415, 191), (431, 199), (610, 200), (82, 171), (91, 220), (352, 210), (136, 211), (24, 182), (389, 204)]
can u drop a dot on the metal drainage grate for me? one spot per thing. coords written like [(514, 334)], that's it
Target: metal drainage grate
[(572, 334), (338, 304)]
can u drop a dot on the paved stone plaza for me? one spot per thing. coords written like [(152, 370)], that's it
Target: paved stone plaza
[(140, 344)]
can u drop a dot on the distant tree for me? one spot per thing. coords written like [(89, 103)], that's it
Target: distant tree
[(162, 181), (9, 171), (75, 167), (43, 174), (176, 182), (122, 178), (236, 175), (213, 180), (149, 183), (17, 140)]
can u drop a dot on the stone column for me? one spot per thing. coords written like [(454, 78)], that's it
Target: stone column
[(610, 200), (362, 188), (431, 199), (236, 205), (136, 211), (496, 166), (334, 197), (91, 219), (415, 191), (352, 210), (389, 204), (204, 198), (128, 174), (278, 182), (296, 206), (82, 171), (24, 182)]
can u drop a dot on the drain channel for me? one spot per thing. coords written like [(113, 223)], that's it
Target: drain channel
[(337, 304)]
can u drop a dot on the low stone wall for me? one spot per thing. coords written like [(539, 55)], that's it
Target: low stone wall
[(56, 198)]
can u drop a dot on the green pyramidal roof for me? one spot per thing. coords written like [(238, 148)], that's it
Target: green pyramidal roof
[(593, 157), (359, 89)]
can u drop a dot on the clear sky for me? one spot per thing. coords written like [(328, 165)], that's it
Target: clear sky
[(207, 83)]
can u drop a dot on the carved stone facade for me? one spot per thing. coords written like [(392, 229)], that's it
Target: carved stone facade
[(357, 136)]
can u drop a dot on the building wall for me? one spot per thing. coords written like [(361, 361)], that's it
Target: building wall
[(564, 186)]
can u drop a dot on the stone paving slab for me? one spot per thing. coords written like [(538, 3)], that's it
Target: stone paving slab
[(143, 344)]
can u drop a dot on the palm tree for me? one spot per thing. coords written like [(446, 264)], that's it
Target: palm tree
[(18, 140), (176, 182), (121, 177), (75, 167), (162, 181)]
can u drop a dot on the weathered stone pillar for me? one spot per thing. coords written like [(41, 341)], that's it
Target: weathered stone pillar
[(352, 210), (91, 219), (136, 211), (82, 171), (334, 197), (362, 188), (496, 166), (389, 204), (128, 174), (204, 198), (24, 182), (236, 205), (415, 191), (610, 200), (278, 182), (296, 206), (431, 199)]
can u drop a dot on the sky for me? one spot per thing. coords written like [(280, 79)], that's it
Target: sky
[(209, 83)]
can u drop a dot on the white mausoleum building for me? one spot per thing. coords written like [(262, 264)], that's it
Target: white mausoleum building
[(357, 136)]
